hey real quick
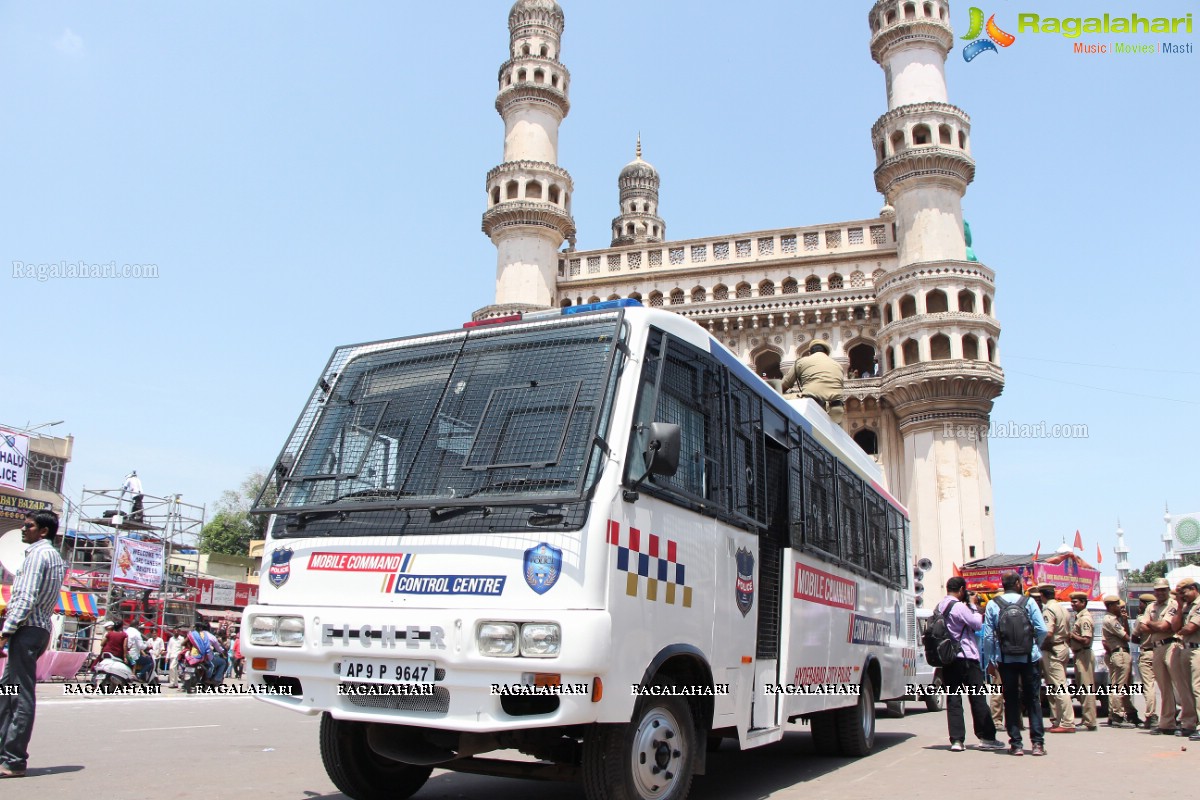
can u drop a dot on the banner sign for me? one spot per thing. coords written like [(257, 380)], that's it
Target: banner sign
[(12, 507), (137, 563), (14, 459), (222, 592), (1069, 577), (1185, 530)]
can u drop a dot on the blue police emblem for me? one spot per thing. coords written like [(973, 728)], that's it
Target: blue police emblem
[(543, 564), (744, 586), (281, 566)]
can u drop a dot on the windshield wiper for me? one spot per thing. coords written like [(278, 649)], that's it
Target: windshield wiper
[(373, 494), (522, 483), (443, 513)]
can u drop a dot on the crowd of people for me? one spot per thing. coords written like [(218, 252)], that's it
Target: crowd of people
[(152, 656), (1018, 641)]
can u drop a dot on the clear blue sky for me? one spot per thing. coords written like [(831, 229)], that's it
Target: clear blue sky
[(307, 175)]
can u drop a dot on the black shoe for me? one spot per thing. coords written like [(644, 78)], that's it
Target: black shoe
[(1152, 721)]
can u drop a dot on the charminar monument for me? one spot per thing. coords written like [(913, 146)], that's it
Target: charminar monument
[(898, 295)]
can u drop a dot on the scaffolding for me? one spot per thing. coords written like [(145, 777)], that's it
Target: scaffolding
[(112, 523)]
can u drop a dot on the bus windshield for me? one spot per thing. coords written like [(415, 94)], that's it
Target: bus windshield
[(492, 415)]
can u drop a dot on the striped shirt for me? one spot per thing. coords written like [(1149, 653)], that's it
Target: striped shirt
[(35, 590)]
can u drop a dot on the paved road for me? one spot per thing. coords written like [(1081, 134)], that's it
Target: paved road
[(235, 747)]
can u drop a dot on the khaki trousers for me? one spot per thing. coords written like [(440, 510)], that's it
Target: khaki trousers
[(1179, 667), (1145, 667), (1120, 706), (1166, 689), (1055, 674), (1085, 676), (1193, 661)]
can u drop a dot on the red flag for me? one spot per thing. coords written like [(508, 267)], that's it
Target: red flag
[(1078, 541), (1099, 557), (1038, 551), (957, 572)]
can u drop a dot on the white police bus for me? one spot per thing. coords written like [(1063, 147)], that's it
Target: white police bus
[(591, 535)]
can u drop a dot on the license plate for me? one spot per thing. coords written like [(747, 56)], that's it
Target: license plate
[(366, 670)]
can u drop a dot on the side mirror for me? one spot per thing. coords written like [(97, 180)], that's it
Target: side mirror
[(282, 470), (662, 451)]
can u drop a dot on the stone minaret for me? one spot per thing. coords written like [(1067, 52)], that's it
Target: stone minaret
[(638, 222), (529, 195), (941, 370)]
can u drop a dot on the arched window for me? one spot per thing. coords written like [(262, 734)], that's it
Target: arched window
[(962, 139), (812, 284), (897, 141), (835, 281), (766, 289), (939, 347), (656, 299), (936, 302), (970, 347), (911, 351), (677, 297), (521, 75), (862, 360), (790, 286), (699, 295), (908, 307), (921, 134), (629, 229), (614, 297), (891, 358), (766, 365), (991, 350), (929, 10), (987, 304), (511, 190), (910, 11), (545, 51), (720, 292), (593, 299), (887, 314), (944, 135), (495, 195), (635, 296), (743, 290), (533, 191), (525, 50), (539, 76), (566, 303), (868, 441), (554, 194)]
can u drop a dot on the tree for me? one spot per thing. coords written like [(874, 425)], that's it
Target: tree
[(1158, 569), (233, 527)]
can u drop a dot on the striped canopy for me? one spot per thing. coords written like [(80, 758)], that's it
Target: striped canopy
[(74, 604)]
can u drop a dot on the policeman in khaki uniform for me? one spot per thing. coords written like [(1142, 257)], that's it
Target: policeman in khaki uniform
[(1054, 659), (1145, 665), (818, 377), (1189, 632), (1180, 660), (1121, 712), (1168, 656), (1085, 660)]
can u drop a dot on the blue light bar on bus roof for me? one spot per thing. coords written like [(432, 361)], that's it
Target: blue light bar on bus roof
[(603, 305)]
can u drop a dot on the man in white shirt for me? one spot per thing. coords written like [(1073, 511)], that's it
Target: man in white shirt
[(157, 647), (133, 485), (142, 664), (174, 648)]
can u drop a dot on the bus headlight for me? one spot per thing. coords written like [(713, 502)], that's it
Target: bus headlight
[(497, 639), (270, 630), (291, 631), (540, 639)]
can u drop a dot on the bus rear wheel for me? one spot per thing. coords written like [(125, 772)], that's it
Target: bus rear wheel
[(856, 723), (650, 758), (358, 771)]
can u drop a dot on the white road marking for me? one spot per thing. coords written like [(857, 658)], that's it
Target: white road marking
[(176, 728)]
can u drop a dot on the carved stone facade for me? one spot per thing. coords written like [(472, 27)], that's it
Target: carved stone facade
[(895, 295)]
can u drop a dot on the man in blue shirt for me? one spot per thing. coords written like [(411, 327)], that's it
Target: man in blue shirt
[(1020, 673)]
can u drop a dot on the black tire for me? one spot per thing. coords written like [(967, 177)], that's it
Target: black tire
[(651, 758), (358, 771), (109, 683), (895, 708), (825, 734), (856, 723), (937, 701)]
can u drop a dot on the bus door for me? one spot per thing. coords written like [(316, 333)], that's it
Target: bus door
[(771, 543)]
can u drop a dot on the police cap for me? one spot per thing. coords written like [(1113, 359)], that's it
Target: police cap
[(1109, 599), (816, 344), (1146, 597), (1079, 596), (1161, 583), (1185, 583)]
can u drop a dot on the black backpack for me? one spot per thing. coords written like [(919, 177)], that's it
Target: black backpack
[(940, 647), (1014, 631)]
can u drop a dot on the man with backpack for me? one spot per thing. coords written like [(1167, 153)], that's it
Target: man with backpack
[(1012, 628), (951, 644)]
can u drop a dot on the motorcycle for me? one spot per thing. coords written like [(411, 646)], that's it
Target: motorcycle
[(195, 675), (110, 672)]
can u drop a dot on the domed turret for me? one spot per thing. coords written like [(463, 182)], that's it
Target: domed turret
[(639, 221)]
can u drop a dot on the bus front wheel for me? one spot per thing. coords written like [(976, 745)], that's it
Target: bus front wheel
[(358, 771), (650, 758)]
